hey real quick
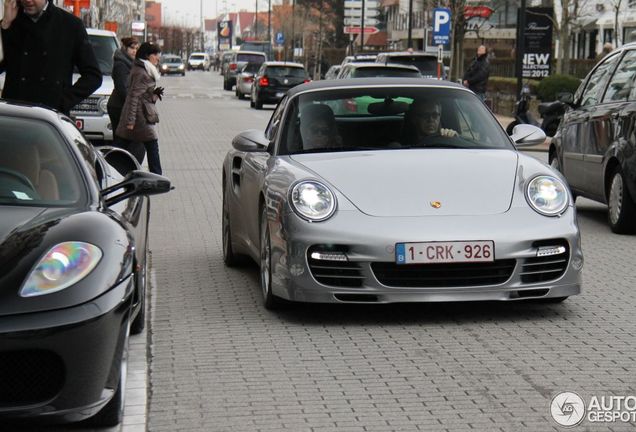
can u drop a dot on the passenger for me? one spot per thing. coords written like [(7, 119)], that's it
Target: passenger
[(318, 127), (423, 120)]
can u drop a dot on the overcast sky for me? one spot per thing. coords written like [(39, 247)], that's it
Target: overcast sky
[(187, 11)]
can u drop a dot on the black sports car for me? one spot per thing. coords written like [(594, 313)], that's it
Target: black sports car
[(73, 237)]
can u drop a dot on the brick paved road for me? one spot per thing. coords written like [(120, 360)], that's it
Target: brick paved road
[(220, 362)]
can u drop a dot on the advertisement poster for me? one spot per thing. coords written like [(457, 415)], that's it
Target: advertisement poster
[(225, 35), (537, 52)]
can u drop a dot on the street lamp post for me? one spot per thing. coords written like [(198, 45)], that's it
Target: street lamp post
[(269, 21), (255, 19), (520, 46), (293, 38), (410, 29)]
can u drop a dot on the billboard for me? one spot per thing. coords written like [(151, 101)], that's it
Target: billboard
[(537, 49), (224, 32)]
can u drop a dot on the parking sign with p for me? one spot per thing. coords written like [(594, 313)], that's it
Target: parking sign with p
[(441, 26)]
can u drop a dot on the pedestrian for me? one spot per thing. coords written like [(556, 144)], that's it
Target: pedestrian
[(122, 64), (476, 77), (42, 44), (139, 114)]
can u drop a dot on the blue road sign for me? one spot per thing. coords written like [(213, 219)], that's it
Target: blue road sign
[(441, 26), (280, 38)]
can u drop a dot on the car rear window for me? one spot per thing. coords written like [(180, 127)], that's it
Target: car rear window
[(426, 65), (372, 72), (250, 58), (197, 57), (285, 71)]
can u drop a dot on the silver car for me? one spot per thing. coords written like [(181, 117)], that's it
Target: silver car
[(421, 197), (245, 79)]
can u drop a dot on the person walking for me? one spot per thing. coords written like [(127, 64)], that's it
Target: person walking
[(139, 114), (42, 44), (122, 64), (476, 77)]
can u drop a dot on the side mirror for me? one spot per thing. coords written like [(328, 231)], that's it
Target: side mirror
[(525, 135), (137, 183), (252, 140), (566, 98)]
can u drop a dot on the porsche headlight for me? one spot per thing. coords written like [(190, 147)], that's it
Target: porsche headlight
[(547, 195), (313, 201), (63, 265)]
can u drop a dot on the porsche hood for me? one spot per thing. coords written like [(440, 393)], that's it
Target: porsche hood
[(422, 182)]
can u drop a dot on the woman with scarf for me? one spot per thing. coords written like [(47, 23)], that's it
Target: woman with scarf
[(139, 114)]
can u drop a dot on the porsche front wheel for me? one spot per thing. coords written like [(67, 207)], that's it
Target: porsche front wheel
[(270, 301), (229, 258), (621, 208)]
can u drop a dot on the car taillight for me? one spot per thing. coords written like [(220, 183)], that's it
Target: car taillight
[(232, 66), (263, 82), (248, 79), (351, 105), (307, 80)]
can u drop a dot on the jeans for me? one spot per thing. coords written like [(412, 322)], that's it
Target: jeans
[(151, 150)]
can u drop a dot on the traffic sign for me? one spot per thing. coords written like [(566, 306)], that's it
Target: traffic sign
[(358, 13), (358, 22), (356, 30), (357, 4), (280, 38), (441, 26)]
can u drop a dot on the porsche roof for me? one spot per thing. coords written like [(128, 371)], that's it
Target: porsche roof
[(375, 82)]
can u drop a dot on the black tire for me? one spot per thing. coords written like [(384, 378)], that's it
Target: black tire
[(553, 160), (229, 257), (511, 126), (139, 323), (270, 301), (251, 101), (621, 211), (257, 103), (226, 86)]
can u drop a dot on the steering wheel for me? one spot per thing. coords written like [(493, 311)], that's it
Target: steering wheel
[(17, 176)]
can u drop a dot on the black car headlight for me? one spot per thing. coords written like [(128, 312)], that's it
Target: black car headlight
[(547, 195), (312, 200), (64, 265)]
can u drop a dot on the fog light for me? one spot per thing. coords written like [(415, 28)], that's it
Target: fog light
[(550, 250), (577, 262), (329, 256)]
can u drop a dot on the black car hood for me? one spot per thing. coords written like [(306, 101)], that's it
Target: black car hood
[(27, 233)]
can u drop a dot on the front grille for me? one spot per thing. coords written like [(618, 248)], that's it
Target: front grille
[(88, 106), (443, 275), (29, 377), (336, 273), (543, 269)]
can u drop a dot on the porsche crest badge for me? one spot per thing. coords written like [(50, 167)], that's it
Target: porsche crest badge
[(436, 204)]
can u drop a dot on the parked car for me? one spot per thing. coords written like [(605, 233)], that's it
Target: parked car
[(426, 63), (262, 46), (225, 62), (376, 70), (340, 207), (245, 79), (273, 80), (595, 144), (332, 73), (73, 247), (359, 58), (199, 60), (236, 62), (172, 64), (91, 115)]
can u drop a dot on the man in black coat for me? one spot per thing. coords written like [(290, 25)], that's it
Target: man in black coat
[(42, 44), (476, 77)]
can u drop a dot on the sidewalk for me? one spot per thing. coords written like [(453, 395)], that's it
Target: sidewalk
[(505, 121)]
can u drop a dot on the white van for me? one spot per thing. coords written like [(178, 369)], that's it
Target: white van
[(199, 60), (91, 115)]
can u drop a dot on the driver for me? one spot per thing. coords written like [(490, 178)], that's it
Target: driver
[(423, 120), (318, 128)]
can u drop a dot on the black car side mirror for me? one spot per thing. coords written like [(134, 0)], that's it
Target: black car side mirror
[(137, 183), (566, 98), (252, 140)]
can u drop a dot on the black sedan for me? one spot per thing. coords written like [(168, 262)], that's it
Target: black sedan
[(73, 248), (273, 80)]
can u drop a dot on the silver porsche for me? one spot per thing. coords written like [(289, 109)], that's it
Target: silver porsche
[(397, 190)]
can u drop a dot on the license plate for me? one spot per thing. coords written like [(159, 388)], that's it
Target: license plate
[(445, 252), (79, 123)]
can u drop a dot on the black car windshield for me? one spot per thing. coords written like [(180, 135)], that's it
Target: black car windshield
[(251, 68), (382, 71), (104, 48), (389, 118), (284, 71), (36, 166)]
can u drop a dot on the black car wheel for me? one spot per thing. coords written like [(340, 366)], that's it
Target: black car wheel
[(257, 102), (229, 257), (252, 100), (139, 323), (270, 301), (621, 212), (226, 85)]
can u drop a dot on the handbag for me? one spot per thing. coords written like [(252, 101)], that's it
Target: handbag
[(149, 109)]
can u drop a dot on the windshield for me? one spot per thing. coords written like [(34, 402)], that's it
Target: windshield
[(251, 68), (171, 60), (426, 65), (372, 72), (104, 48), (282, 72), (36, 168), (389, 118), (197, 57)]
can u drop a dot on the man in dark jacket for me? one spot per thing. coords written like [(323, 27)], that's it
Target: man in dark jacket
[(476, 77), (41, 45)]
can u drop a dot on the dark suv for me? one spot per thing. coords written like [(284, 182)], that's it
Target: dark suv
[(236, 61), (595, 145), (273, 80), (426, 63)]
